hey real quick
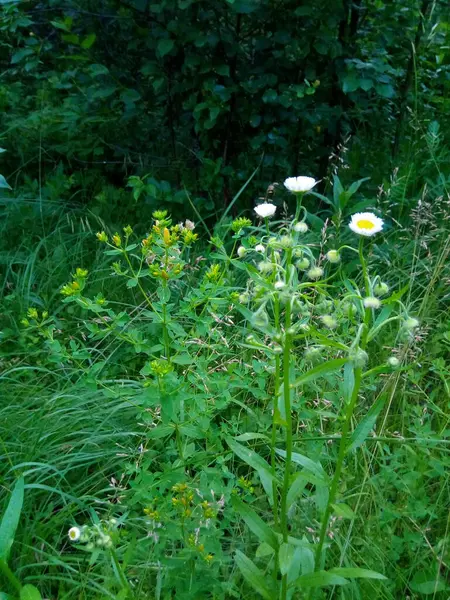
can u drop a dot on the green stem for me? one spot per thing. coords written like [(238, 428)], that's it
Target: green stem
[(343, 444), (339, 465), (164, 325), (287, 347), (123, 579), (143, 292), (299, 199), (10, 576), (364, 266)]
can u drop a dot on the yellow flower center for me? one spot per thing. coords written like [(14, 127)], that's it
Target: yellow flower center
[(365, 224)]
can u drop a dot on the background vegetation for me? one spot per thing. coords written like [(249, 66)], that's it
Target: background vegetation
[(111, 110)]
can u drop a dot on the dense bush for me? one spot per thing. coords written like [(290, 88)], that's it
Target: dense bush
[(196, 94)]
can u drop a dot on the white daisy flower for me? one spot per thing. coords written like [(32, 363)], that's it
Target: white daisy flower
[(265, 210), (74, 534), (366, 224), (300, 184)]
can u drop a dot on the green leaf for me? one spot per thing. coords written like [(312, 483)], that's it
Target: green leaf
[(21, 54), (252, 575), (183, 359), (165, 46), (65, 25), (356, 573), (322, 197), (315, 467), (255, 523), (223, 70), (131, 283), (343, 510), (4, 184), (318, 579), (285, 556), (88, 41), (366, 425), (264, 550), (269, 96), (427, 582), (327, 367), (29, 592), (257, 462), (10, 519), (355, 187)]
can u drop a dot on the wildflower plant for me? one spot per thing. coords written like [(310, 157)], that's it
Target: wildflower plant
[(283, 322), (311, 322)]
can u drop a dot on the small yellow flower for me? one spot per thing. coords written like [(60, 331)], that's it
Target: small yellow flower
[(117, 240), (189, 237), (81, 273), (102, 237), (166, 235)]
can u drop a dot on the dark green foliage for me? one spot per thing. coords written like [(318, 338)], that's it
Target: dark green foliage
[(196, 92)]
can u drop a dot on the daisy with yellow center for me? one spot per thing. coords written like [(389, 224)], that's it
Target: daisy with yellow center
[(366, 224)]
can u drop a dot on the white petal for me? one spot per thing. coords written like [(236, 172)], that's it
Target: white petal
[(265, 210), (300, 184)]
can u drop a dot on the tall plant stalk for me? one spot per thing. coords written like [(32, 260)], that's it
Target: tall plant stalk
[(343, 445), (287, 347)]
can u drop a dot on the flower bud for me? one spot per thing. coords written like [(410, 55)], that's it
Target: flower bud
[(241, 251), (260, 318), (279, 285), (266, 266), (302, 264), (329, 321), (102, 237), (315, 273), (286, 241), (301, 227), (312, 353), (371, 302), (333, 256), (260, 248), (381, 289), (358, 357), (411, 323), (244, 298), (393, 362)]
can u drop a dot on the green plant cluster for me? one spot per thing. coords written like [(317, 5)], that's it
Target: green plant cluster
[(267, 421)]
